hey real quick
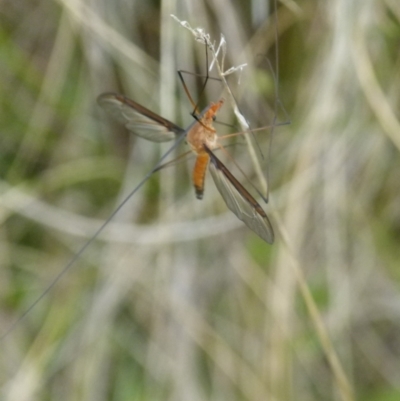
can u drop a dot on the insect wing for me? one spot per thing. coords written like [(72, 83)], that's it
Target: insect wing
[(239, 200), (137, 119)]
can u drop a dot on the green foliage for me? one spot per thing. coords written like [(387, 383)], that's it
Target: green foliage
[(176, 298)]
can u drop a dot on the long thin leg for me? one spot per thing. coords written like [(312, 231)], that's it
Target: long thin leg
[(195, 105), (96, 234), (179, 159)]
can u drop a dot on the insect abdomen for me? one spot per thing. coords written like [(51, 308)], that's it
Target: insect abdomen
[(199, 173)]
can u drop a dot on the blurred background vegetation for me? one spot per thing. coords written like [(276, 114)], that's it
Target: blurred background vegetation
[(177, 299)]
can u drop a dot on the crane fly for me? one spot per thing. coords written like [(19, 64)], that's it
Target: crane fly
[(202, 139)]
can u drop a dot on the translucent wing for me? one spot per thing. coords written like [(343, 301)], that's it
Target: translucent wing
[(138, 119), (239, 200)]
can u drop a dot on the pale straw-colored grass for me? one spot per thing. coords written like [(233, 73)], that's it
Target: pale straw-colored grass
[(177, 299)]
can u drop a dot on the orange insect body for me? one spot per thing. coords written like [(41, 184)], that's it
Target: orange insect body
[(203, 133), (199, 173)]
